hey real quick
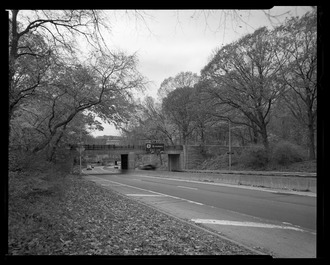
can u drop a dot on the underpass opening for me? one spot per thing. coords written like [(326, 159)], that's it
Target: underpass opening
[(174, 162), (124, 161)]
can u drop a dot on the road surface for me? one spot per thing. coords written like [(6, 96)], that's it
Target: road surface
[(276, 223)]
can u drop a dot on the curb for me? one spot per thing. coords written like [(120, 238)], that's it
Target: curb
[(244, 186), (265, 173)]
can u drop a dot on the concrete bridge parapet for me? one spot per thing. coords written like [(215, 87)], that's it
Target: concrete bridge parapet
[(128, 154)]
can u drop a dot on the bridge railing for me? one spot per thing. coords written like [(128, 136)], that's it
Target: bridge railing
[(123, 147), (173, 147), (112, 147)]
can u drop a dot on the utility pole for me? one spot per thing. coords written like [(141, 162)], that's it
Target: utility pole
[(80, 149), (229, 143)]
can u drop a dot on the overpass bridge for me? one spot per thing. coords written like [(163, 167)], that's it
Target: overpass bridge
[(127, 153)]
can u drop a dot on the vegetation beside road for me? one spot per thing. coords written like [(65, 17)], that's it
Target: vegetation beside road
[(282, 156), (221, 163)]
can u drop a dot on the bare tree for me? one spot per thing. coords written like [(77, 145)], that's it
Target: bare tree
[(104, 88), (244, 76), (300, 72), (182, 79), (37, 34), (178, 105)]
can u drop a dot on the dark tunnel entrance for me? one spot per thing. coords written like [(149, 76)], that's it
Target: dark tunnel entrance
[(124, 162)]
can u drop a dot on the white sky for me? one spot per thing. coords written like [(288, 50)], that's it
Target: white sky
[(168, 42)]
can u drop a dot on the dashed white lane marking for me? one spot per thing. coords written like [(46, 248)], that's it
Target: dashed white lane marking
[(248, 224), (166, 195), (187, 187), (144, 195)]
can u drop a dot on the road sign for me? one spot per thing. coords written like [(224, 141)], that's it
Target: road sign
[(154, 147), (157, 146)]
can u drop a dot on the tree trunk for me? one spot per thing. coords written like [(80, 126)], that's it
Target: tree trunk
[(202, 135), (264, 137), (12, 58), (41, 146), (254, 134), (54, 147), (311, 120), (311, 136)]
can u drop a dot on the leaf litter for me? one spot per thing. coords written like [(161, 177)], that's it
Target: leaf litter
[(86, 219)]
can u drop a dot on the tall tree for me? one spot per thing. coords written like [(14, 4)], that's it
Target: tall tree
[(300, 72), (49, 83), (150, 123), (244, 76), (158, 123), (203, 117), (105, 89), (182, 79), (36, 34), (178, 105)]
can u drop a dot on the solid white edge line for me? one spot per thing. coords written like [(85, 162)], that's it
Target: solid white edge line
[(144, 195), (245, 224), (198, 203)]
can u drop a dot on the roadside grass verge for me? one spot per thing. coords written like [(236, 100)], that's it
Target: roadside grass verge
[(48, 215)]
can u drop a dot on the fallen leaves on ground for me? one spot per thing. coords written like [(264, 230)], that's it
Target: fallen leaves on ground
[(77, 217)]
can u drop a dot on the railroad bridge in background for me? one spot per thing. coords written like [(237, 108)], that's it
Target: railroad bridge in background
[(127, 154)]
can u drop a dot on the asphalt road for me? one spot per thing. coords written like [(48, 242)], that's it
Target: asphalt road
[(276, 223)]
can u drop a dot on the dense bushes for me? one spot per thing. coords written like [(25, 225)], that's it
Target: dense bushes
[(25, 161), (285, 153), (254, 157)]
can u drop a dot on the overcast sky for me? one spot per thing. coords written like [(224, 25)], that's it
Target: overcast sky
[(168, 42)]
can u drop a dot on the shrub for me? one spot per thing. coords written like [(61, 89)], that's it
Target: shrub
[(285, 153), (219, 162), (20, 160), (254, 156)]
